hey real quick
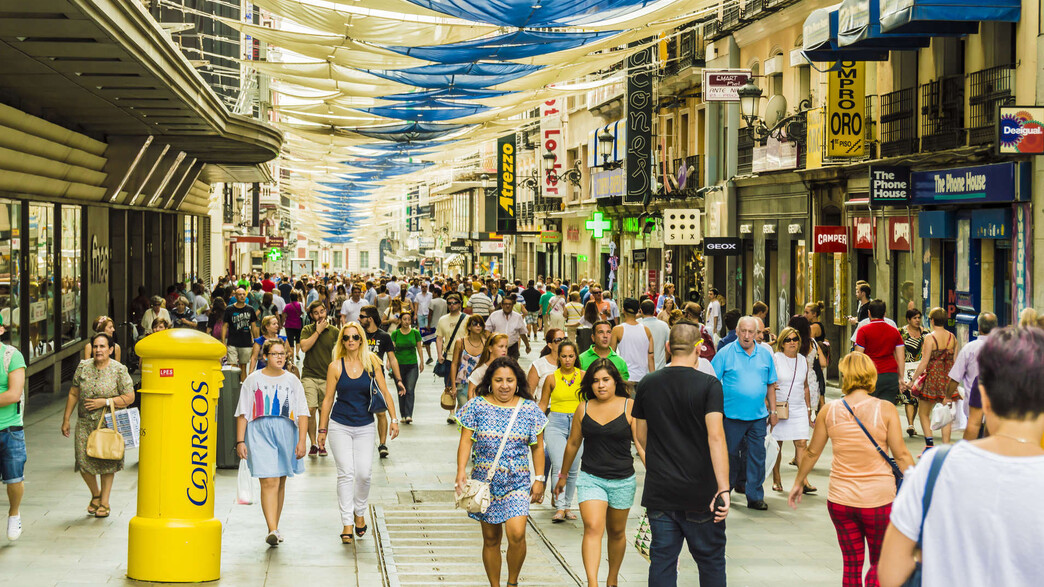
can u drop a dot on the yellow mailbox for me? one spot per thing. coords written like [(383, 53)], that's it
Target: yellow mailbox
[(175, 537)]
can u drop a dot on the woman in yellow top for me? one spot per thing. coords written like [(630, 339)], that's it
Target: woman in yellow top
[(561, 394)]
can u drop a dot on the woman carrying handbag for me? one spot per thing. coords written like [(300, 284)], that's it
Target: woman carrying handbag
[(792, 402), (355, 391), (502, 424)]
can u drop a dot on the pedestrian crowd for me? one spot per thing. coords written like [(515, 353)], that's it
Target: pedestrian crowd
[(704, 395)]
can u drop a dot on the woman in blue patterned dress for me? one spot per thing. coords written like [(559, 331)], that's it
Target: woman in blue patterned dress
[(483, 421)]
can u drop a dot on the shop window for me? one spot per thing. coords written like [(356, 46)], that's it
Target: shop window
[(10, 265), (908, 286), (72, 277), (41, 280)]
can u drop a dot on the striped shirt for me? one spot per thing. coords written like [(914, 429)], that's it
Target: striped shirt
[(481, 305)]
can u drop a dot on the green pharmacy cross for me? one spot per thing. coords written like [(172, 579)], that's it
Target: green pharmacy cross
[(274, 254), (598, 225)]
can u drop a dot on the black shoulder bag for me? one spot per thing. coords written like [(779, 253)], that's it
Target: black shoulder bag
[(891, 462)]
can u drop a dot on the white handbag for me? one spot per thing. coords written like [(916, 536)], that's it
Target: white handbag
[(475, 496)]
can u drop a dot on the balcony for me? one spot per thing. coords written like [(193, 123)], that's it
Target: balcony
[(898, 123), (752, 10), (942, 113), (745, 156), (990, 89)]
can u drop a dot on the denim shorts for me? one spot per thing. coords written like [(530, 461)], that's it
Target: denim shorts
[(619, 493), (12, 456)]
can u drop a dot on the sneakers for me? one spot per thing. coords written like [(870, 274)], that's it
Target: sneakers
[(322, 452), (14, 527), (450, 420), (428, 362), (273, 538), (383, 451), (313, 451)]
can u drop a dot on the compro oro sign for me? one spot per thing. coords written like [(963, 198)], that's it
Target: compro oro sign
[(1020, 130), (846, 102)]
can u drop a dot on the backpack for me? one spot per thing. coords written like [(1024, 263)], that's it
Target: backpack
[(707, 350)]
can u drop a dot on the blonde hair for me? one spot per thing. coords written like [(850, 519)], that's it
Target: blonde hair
[(784, 334), (370, 361), (857, 372), (266, 320), (1028, 317), (938, 316), (490, 343)]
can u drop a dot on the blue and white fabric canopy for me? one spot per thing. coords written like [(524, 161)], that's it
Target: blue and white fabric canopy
[(465, 75), (427, 110), (447, 94), (534, 13), (516, 45), (414, 131)]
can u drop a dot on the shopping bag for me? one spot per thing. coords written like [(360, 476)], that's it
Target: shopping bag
[(771, 452), (245, 488), (643, 537), (942, 415)]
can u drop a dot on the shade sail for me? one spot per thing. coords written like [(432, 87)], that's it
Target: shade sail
[(428, 110), (928, 16), (466, 75), (820, 39), (859, 26), (533, 13), (447, 94), (511, 46), (414, 131)]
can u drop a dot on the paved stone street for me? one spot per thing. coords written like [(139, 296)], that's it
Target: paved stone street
[(425, 541)]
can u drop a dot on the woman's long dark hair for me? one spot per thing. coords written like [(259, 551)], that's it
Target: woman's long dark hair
[(804, 329), (591, 312), (522, 386), (587, 383), (548, 336)]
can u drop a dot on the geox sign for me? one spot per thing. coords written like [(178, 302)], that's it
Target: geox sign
[(728, 246)]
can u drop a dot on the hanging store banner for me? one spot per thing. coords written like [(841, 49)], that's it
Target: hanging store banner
[(458, 245), (551, 141), (1021, 258), (846, 102), (814, 138), (1020, 130), (722, 246), (889, 185), (899, 234), (830, 239), (1000, 182), (505, 204), (639, 164), (863, 232), (722, 85), (608, 184)]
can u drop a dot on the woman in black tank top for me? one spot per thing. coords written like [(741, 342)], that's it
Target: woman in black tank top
[(606, 486)]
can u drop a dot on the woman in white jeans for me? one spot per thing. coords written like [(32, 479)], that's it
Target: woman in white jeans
[(349, 380)]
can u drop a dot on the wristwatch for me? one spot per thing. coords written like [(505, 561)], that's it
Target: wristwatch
[(540, 478), (394, 420)]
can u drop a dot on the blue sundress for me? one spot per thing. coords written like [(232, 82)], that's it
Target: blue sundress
[(509, 490)]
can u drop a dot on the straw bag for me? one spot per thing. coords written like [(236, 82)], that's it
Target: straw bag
[(105, 443), (475, 497)]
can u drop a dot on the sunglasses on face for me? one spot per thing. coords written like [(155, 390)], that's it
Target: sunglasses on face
[(348, 337), (791, 339), (557, 340)]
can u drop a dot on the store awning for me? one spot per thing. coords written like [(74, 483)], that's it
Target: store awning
[(821, 44), (453, 259), (940, 16), (859, 26)]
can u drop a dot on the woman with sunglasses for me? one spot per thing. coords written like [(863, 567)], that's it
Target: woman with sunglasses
[(548, 360), (352, 377), (409, 352), (269, 331), (559, 399), (792, 388), (466, 354), (271, 431)]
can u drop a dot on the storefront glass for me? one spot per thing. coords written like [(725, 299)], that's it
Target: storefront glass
[(908, 286), (72, 278), (10, 288), (41, 280)]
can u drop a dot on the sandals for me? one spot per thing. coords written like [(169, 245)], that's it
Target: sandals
[(808, 489), (98, 513), (911, 432), (347, 539), (92, 508), (570, 515), (360, 531), (777, 486), (559, 517)]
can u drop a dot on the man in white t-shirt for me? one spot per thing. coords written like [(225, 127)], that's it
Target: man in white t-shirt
[(713, 317), (660, 333), (421, 305), (393, 287), (351, 307)]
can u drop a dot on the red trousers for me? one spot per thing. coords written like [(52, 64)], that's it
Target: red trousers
[(858, 528)]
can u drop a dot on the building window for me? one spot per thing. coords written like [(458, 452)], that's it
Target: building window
[(41, 278), (72, 276), (338, 257), (10, 269), (314, 256), (364, 260)]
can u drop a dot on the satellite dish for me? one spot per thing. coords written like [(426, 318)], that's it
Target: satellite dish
[(776, 110)]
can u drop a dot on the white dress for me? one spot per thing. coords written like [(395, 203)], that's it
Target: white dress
[(791, 375), (813, 381)]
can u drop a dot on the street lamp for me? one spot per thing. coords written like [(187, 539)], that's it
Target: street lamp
[(749, 98), (571, 175), (789, 128), (605, 149)]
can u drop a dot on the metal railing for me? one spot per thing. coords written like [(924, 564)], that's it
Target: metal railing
[(898, 122), (745, 155), (942, 113), (989, 88)]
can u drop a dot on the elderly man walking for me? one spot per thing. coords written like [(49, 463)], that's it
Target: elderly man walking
[(505, 321), (747, 373)]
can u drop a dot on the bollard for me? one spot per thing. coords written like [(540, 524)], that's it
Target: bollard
[(175, 537)]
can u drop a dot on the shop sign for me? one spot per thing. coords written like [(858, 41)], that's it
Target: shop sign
[(68, 302), (965, 185), (638, 255), (722, 85), (814, 138), (426, 242), (240, 238), (598, 225), (635, 225), (506, 220), (99, 268), (551, 140), (1021, 258), (37, 311), (846, 99), (863, 232), (776, 155), (550, 236), (889, 185), (1020, 130), (935, 224), (458, 245), (581, 258), (830, 239), (609, 184), (573, 234), (639, 163), (724, 246), (681, 226), (491, 247), (899, 234), (991, 223)]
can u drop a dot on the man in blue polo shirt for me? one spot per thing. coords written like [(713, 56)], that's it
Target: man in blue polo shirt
[(747, 373)]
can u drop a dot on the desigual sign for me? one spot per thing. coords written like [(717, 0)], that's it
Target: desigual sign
[(830, 239)]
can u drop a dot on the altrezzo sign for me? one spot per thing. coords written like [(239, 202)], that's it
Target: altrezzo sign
[(505, 197)]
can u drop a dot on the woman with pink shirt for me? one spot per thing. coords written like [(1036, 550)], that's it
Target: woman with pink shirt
[(862, 479)]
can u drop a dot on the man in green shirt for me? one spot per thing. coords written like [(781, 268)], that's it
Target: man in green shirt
[(318, 340), (600, 349), (545, 301), (12, 437)]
